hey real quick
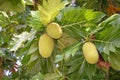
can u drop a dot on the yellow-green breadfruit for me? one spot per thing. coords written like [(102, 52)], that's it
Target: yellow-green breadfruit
[(90, 53), (46, 45), (54, 30)]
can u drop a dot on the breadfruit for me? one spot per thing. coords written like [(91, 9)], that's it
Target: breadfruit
[(90, 53), (54, 30), (46, 45)]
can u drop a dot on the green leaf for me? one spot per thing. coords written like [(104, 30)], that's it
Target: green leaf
[(108, 38), (78, 65), (33, 68), (39, 76), (2, 53), (114, 59), (88, 70), (95, 16), (4, 20), (88, 4), (34, 21), (33, 57), (32, 53), (73, 21), (91, 70), (73, 68), (16, 6), (69, 51), (24, 50), (52, 76), (59, 58), (18, 40), (33, 48), (70, 16), (29, 2), (25, 59), (50, 9), (74, 15)]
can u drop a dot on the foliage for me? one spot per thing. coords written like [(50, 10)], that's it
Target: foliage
[(20, 33)]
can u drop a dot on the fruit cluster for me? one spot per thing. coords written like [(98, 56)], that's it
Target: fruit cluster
[(46, 41), (54, 31)]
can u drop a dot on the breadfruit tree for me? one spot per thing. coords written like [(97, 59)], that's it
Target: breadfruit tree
[(59, 40)]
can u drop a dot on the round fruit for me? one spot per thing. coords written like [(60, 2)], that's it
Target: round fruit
[(90, 53), (46, 46), (54, 30)]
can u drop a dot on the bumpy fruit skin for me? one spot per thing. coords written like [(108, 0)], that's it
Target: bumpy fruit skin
[(90, 53), (54, 30), (46, 46)]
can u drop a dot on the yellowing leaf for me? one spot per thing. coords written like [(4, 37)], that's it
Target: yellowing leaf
[(44, 16), (50, 9)]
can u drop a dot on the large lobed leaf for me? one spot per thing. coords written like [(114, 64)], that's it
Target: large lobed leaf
[(67, 52), (49, 10), (33, 68), (108, 39), (72, 15), (74, 20), (34, 21), (18, 40), (77, 65)]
